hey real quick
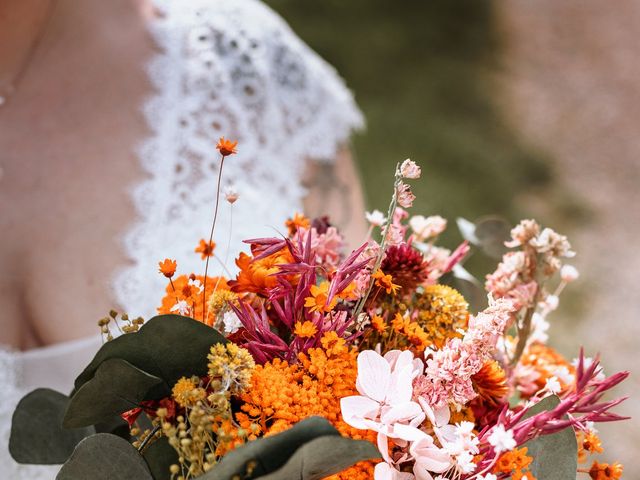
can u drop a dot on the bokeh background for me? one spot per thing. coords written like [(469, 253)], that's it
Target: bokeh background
[(515, 108)]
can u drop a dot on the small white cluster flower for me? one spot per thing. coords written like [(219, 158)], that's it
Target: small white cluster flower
[(182, 307), (501, 440), (231, 322), (196, 284), (553, 385)]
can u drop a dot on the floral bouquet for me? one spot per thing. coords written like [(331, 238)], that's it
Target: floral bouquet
[(312, 364)]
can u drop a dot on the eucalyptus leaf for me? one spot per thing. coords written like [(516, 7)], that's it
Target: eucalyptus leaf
[(491, 233), (105, 457), (323, 457), (270, 453), (167, 346), (555, 457), (159, 457), (116, 387), (37, 435)]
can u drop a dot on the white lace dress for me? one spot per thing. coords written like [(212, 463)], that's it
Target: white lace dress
[(228, 68)]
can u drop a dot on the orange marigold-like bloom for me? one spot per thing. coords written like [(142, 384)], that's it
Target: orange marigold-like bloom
[(281, 394), (298, 221), (516, 462), (604, 471), (317, 302), (305, 329), (167, 267), (257, 276), (205, 249), (385, 282), (190, 294), (490, 383), (588, 442), (226, 147), (378, 324)]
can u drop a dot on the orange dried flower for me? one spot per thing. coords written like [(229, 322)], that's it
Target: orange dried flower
[(184, 290), (226, 147), (604, 471), (168, 267), (588, 442), (545, 361), (298, 221), (490, 383), (305, 329), (385, 282), (317, 302), (378, 324), (515, 462), (257, 276), (281, 394), (205, 249)]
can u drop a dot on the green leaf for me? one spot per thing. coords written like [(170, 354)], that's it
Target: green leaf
[(116, 387), (159, 457), (491, 233), (555, 457), (270, 453), (37, 435), (167, 346), (105, 457), (323, 457)]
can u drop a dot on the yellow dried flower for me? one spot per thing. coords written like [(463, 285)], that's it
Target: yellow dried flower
[(230, 367), (187, 393)]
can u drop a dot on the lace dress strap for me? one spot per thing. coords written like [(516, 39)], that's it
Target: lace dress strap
[(226, 68)]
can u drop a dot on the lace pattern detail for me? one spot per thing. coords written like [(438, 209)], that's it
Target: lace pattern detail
[(232, 68), (10, 373)]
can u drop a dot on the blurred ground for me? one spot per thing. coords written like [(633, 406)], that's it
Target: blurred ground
[(572, 84), (524, 109)]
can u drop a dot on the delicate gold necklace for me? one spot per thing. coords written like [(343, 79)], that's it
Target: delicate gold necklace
[(9, 88)]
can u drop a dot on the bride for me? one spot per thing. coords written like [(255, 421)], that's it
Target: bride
[(95, 193)]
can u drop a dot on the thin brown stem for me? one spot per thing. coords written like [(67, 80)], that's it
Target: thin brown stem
[(525, 330), (213, 226)]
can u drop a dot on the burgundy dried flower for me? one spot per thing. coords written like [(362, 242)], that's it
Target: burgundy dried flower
[(406, 265)]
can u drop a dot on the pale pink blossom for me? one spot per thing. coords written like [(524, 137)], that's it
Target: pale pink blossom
[(395, 235), (231, 195), (553, 243), (404, 195), (427, 227), (385, 471), (385, 402), (410, 169), (523, 233), (375, 218), (326, 246), (569, 273)]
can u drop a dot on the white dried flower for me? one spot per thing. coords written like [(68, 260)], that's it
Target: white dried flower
[(427, 227), (375, 218)]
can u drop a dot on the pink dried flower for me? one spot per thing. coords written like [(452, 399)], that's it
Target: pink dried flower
[(231, 195), (410, 169), (569, 273), (427, 227), (523, 233), (405, 195)]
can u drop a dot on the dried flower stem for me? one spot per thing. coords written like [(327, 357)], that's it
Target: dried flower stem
[(525, 330), (383, 242), (213, 226), (148, 438)]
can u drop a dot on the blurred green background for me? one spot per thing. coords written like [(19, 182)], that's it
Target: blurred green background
[(422, 75)]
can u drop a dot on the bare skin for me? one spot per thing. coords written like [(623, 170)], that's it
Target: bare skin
[(66, 159)]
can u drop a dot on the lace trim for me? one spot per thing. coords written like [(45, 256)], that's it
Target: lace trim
[(232, 68)]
